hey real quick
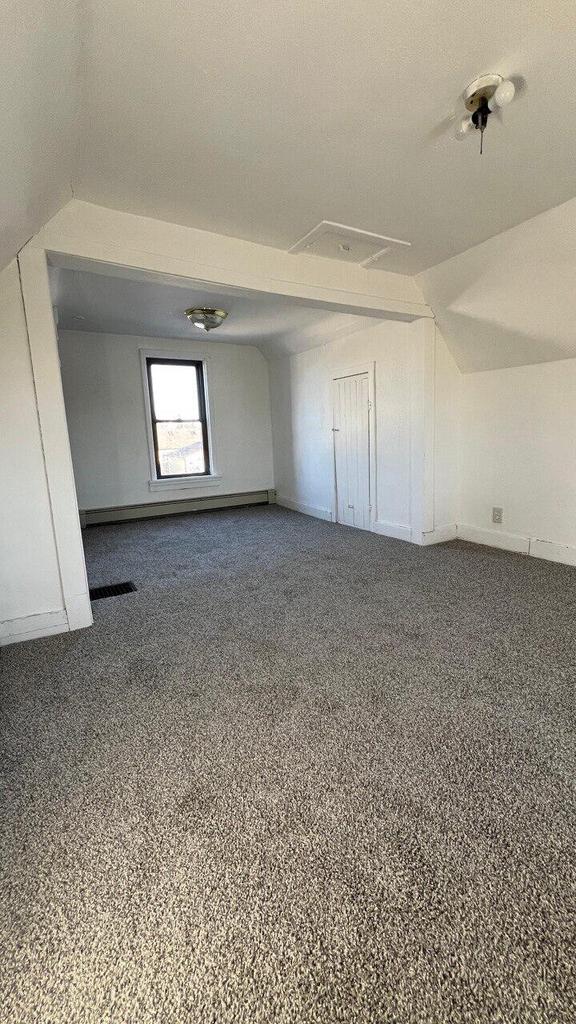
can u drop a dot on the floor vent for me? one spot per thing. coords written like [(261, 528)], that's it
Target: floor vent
[(113, 590)]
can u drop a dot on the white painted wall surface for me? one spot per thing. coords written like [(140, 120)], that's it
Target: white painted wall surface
[(447, 383), (30, 592), (302, 422), (518, 451), (103, 390), (301, 387)]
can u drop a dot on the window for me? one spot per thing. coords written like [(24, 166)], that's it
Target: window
[(178, 410)]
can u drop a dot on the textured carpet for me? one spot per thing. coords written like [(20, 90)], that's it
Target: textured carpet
[(304, 774)]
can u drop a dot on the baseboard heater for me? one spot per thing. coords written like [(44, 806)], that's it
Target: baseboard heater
[(153, 509)]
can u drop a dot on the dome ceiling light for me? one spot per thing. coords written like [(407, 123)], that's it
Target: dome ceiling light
[(206, 319), (482, 98)]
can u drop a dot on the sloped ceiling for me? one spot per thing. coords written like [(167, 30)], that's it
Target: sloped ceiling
[(40, 85), (259, 119), (512, 300)]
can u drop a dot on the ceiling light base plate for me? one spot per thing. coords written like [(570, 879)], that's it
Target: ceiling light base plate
[(481, 89)]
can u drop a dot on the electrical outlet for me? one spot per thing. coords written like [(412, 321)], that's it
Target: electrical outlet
[(497, 514)]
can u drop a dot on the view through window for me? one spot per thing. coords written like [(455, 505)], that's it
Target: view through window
[(178, 408)]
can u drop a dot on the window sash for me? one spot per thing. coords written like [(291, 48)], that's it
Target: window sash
[(198, 365)]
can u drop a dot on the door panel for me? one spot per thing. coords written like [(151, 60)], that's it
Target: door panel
[(352, 450)]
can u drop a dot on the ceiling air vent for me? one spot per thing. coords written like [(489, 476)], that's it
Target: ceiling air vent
[(351, 245)]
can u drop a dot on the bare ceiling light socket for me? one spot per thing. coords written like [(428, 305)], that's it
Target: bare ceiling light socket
[(480, 90), (481, 98)]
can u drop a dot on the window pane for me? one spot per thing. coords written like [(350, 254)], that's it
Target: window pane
[(180, 448), (175, 391)]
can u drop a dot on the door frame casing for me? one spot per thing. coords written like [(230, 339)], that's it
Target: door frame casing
[(369, 368), (45, 361)]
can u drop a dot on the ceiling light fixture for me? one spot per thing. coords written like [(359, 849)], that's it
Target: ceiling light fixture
[(206, 319), (482, 98)]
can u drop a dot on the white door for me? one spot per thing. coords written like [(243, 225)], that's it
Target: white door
[(352, 450)]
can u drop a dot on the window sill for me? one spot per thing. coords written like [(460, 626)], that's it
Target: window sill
[(185, 483)]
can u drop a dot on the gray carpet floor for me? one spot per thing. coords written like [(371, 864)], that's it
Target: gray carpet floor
[(304, 775)]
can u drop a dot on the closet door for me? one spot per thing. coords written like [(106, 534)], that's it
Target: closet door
[(352, 450)]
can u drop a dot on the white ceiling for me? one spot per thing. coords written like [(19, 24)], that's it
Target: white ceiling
[(512, 300), (40, 84), (259, 119), (98, 302)]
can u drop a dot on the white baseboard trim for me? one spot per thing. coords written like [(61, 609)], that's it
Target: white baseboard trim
[(439, 535), (395, 530), (549, 550), (308, 510), (171, 506), (552, 552), (29, 627), (494, 538)]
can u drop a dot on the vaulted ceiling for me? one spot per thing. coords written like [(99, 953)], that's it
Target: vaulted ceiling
[(42, 74), (512, 300), (259, 119)]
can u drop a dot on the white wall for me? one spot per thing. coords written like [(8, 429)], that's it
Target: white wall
[(30, 592), (447, 384), (103, 390), (518, 451), (507, 310), (302, 422), (500, 438)]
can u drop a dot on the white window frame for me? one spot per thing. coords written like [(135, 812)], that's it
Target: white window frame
[(155, 482)]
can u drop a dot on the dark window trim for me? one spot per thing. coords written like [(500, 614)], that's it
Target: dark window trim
[(199, 366)]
